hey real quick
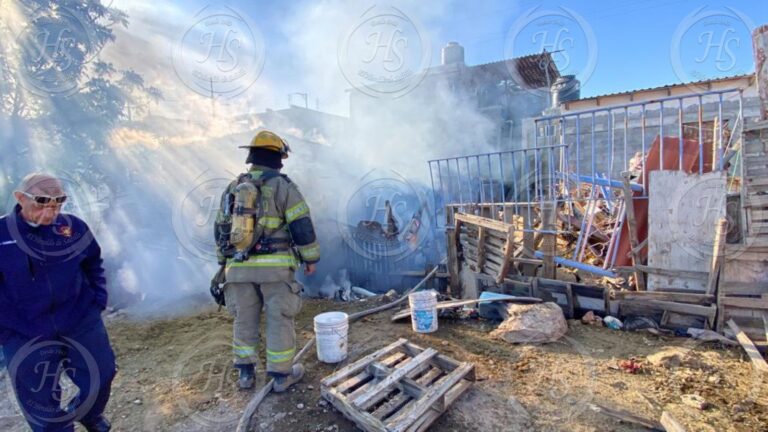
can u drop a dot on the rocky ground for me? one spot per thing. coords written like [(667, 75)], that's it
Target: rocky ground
[(175, 375)]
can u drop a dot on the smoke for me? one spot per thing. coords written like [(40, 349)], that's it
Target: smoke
[(173, 158)]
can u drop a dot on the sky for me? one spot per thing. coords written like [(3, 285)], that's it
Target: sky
[(610, 46)]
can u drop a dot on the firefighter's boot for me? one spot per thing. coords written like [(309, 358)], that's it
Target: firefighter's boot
[(284, 382), (247, 376)]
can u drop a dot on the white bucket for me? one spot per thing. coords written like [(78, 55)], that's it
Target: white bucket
[(331, 336), (423, 311)]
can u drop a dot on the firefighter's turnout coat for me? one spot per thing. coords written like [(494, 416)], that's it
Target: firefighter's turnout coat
[(266, 278)]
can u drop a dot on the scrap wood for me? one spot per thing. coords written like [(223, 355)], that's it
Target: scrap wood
[(718, 254), (573, 223), (708, 312), (670, 424), (765, 324), (405, 313), (639, 248), (710, 336), (627, 417), (687, 274), (678, 297), (757, 360)]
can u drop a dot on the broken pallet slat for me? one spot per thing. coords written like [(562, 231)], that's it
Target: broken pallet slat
[(444, 362), (757, 360), (403, 421), (365, 422), (679, 297), (709, 312), (745, 302), (363, 376), (626, 416), (743, 288), (482, 222), (361, 364), (407, 385), (377, 392), (481, 237), (673, 273), (427, 419), (670, 424), (388, 408)]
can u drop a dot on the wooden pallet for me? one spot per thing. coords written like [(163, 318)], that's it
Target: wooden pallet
[(755, 182), (401, 387), (742, 293)]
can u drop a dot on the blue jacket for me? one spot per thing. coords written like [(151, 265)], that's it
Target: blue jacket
[(51, 277)]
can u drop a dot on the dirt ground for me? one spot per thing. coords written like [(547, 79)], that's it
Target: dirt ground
[(175, 375)]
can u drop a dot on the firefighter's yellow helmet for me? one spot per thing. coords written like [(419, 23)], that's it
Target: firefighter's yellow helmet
[(270, 141)]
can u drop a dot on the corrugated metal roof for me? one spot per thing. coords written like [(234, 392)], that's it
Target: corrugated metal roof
[(527, 68), (691, 83)]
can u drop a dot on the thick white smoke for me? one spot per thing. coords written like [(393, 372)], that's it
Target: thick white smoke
[(173, 159)]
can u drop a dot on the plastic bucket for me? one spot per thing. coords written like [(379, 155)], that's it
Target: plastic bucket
[(423, 311), (331, 336)]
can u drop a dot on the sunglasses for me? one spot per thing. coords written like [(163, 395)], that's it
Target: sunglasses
[(45, 200)]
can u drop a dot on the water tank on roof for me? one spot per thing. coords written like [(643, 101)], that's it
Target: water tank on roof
[(453, 53), (566, 88)]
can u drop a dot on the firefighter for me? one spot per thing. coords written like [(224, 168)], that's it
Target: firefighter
[(264, 233)]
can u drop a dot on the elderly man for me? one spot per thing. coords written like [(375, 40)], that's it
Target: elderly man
[(52, 292)]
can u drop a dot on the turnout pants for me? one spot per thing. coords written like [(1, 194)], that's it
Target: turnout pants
[(281, 302), (35, 366)]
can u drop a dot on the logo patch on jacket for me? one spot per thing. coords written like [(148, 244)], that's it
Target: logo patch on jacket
[(63, 230)]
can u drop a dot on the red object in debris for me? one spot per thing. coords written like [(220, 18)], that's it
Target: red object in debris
[(653, 163), (630, 366)]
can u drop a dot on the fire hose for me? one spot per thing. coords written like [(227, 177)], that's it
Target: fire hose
[(245, 421)]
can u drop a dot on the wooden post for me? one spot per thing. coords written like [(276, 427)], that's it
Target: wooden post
[(509, 246), (529, 245), (632, 228), (765, 324), (481, 234), (718, 254), (757, 360), (452, 244), (760, 50), (549, 242)]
